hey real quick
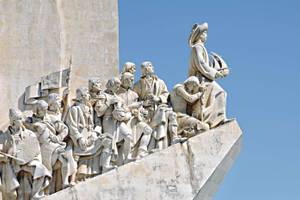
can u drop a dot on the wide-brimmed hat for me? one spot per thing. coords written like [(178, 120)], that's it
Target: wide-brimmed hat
[(197, 30)]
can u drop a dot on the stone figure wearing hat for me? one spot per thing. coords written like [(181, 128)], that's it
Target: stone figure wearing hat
[(213, 111)]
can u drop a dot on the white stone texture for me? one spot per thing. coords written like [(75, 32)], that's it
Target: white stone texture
[(191, 170), (40, 37)]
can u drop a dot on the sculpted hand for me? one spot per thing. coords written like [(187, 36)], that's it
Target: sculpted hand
[(54, 138), (219, 75), (90, 140), (82, 143), (154, 98), (199, 94)]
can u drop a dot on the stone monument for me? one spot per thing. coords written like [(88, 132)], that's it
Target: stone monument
[(38, 38), (78, 138)]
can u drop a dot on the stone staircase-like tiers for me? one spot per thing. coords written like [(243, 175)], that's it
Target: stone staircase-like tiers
[(189, 171)]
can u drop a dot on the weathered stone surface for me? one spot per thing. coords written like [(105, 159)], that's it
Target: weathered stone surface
[(191, 170), (41, 37)]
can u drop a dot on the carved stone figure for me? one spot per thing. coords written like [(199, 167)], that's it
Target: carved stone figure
[(32, 175), (8, 182), (122, 135), (183, 97), (67, 166), (100, 108), (154, 94), (111, 98), (141, 131), (95, 89), (87, 142), (129, 67), (51, 132), (214, 105)]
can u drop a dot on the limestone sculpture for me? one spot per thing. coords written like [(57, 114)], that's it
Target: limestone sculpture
[(183, 97), (32, 175), (106, 127), (212, 109)]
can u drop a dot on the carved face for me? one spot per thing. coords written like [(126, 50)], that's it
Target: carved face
[(83, 95), (16, 121), (95, 85), (41, 112), (55, 103), (41, 108), (132, 69), (203, 36), (191, 87), (147, 69), (127, 81), (15, 118)]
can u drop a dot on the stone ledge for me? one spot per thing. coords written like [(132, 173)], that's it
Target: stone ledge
[(191, 170)]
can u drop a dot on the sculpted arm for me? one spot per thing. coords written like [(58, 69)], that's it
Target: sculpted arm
[(191, 98), (204, 69), (62, 130), (72, 121), (164, 93), (137, 89)]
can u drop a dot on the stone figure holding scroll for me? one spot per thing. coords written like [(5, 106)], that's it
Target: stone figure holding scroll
[(214, 105), (87, 142)]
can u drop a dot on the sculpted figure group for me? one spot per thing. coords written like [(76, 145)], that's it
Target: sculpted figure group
[(107, 127)]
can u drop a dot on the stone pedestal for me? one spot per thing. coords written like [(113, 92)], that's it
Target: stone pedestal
[(41, 37), (192, 170)]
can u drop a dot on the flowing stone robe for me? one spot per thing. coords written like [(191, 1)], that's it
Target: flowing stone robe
[(8, 179), (59, 133), (180, 99), (213, 109), (80, 122), (51, 135), (161, 118), (141, 131), (32, 175)]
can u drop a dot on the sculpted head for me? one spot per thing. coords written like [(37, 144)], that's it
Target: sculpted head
[(129, 67), (198, 34), (41, 108), (113, 85), (127, 80), (82, 95), (192, 84), (95, 85), (15, 118), (54, 102), (147, 68)]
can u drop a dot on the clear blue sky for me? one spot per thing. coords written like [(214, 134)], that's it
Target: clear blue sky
[(260, 42)]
